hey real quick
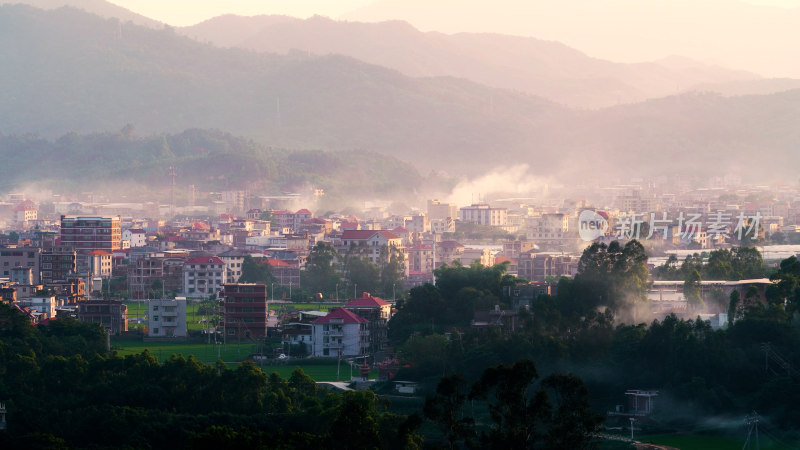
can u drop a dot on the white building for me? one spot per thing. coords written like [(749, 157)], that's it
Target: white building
[(166, 318), (233, 264), (340, 333), (482, 255), (203, 276), (373, 243), (136, 237), (483, 214)]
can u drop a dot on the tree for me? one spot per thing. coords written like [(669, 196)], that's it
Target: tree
[(321, 268), (255, 272), (516, 409), (445, 410), (393, 271), (691, 289), (355, 425), (571, 424), (362, 273), (733, 307)]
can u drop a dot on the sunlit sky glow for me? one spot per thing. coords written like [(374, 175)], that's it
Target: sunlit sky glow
[(730, 33), (190, 12)]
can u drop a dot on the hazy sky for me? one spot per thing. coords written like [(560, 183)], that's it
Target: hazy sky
[(734, 34), (189, 12)]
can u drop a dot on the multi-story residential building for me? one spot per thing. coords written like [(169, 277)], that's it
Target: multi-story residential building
[(420, 259), (440, 226), (165, 268), (419, 223), (482, 256), (512, 249), (136, 237), (340, 333), (85, 234), (12, 257), (110, 314), (58, 265), (233, 264), (98, 263), (445, 252), (43, 304), (245, 310), (441, 211), (24, 215), (377, 311), (287, 273), (166, 318), (483, 214), (370, 243), (203, 276), (550, 230)]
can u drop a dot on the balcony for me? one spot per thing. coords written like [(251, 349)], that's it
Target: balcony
[(333, 333)]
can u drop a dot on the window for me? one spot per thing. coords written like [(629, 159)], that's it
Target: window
[(155, 330), (155, 307), (155, 318), (232, 331)]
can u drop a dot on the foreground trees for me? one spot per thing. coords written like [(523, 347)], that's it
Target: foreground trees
[(553, 414)]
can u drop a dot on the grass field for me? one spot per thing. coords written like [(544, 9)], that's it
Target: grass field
[(139, 309), (231, 354), (706, 442)]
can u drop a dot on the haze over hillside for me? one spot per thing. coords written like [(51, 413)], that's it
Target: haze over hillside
[(71, 71), (544, 68)]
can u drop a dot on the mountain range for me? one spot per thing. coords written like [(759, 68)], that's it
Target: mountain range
[(71, 71), (544, 68)]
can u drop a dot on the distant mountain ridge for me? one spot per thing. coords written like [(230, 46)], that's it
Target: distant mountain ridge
[(69, 71), (544, 68), (100, 8)]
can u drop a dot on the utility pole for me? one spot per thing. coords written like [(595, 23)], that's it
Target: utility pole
[(632, 420), (752, 425)]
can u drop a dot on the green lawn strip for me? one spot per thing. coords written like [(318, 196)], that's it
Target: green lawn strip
[(231, 353), (710, 442)]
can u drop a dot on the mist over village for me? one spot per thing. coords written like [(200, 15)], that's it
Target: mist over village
[(374, 224)]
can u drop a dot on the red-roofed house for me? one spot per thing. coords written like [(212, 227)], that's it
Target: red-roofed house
[(378, 312), (340, 333), (203, 276), (287, 273), (373, 242)]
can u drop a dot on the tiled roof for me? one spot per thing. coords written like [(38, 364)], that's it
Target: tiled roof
[(303, 211), (366, 234), (448, 244), (98, 252), (367, 301), (205, 260), (341, 313)]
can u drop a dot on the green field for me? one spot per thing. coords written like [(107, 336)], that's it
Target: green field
[(707, 442), (231, 354), (139, 309)]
